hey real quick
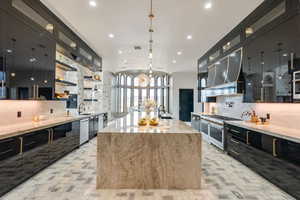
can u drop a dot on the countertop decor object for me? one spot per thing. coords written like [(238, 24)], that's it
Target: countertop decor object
[(167, 156)]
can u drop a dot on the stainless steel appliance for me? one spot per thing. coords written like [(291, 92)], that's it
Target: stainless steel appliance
[(212, 129), (296, 85), (84, 131)]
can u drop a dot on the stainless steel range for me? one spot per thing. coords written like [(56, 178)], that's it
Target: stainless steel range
[(212, 129)]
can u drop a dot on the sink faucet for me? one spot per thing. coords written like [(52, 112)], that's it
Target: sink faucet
[(81, 107)]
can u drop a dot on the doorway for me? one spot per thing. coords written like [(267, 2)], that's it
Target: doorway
[(186, 104)]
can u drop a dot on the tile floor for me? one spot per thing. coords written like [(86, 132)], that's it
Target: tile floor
[(74, 178)]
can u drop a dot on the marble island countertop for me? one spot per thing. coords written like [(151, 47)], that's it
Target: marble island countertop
[(270, 129), (129, 124), (13, 130)]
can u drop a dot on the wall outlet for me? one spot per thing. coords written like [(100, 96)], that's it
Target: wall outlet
[(51, 111), (19, 114)]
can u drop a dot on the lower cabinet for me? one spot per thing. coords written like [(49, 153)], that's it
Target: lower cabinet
[(275, 159), (23, 156), (93, 126)]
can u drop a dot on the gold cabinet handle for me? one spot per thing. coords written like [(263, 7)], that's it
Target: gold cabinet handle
[(21, 145), (274, 148), (248, 143), (49, 136)]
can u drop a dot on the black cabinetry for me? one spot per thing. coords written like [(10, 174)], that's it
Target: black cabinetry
[(23, 156), (274, 158), (28, 59)]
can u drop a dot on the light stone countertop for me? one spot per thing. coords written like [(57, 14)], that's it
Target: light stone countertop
[(271, 129), (27, 127), (129, 124)]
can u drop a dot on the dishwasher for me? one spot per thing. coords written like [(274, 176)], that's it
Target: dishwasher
[(84, 131)]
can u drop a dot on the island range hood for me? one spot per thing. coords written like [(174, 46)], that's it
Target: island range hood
[(224, 76)]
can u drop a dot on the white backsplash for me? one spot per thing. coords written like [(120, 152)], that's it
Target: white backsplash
[(282, 114), (29, 109)]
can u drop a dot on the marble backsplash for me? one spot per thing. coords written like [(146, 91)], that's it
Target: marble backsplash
[(29, 109), (282, 114)]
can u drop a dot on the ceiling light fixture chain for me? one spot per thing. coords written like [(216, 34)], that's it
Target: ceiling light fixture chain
[(151, 31)]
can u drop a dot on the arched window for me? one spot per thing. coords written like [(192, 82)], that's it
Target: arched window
[(159, 81), (129, 80), (159, 97), (122, 100), (136, 82), (122, 80), (165, 80), (152, 82), (128, 97)]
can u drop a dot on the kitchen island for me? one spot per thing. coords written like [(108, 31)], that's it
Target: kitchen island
[(164, 157)]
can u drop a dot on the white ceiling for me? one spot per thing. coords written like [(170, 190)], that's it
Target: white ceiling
[(174, 20)]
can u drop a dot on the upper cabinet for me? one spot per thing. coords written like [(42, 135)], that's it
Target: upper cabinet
[(30, 35), (262, 54)]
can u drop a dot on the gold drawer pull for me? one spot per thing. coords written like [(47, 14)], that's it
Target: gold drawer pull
[(248, 138), (274, 148), (21, 145)]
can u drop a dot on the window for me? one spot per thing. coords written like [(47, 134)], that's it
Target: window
[(152, 96), (144, 95), (166, 98), (136, 82), (159, 80), (128, 98), (136, 97), (269, 17), (165, 81), (122, 100), (21, 6), (159, 97), (152, 82), (122, 80), (129, 80)]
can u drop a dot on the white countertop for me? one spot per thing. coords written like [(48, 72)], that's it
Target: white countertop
[(271, 129), (129, 124), (27, 127)]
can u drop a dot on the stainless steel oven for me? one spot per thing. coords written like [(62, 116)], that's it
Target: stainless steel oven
[(216, 134), (204, 129)]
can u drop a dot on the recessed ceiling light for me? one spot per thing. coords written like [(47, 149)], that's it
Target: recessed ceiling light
[(125, 61), (111, 35), (93, 3), (208, 5), (120, 52), (174, 61), (179, 53), (189, 37)]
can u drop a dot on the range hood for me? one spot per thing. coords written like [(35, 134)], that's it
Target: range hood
[(223, 76)]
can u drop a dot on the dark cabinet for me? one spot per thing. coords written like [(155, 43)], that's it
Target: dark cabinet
[(10, 164), (35, 152), (268, 61), (275, 159), (23, 156), (27, 60), (65, 138)]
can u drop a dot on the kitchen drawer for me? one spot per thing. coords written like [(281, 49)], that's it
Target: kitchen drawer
[(35, 139), (237, 133), (9, 148)]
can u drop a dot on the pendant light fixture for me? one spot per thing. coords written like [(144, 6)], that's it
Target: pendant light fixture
[(144, 79)]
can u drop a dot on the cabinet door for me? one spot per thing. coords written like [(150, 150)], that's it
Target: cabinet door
[(59, 139), (10, 164), (35, 152), (267, 63), (29, 62), (288, 150), (2, 57)]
